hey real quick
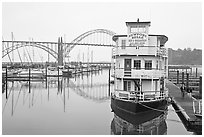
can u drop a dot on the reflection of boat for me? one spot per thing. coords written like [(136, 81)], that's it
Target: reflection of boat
[(140, 69), (154, 126)]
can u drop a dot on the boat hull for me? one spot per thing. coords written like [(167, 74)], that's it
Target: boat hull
[(129, 110)]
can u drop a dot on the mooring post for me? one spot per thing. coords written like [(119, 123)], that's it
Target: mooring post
[(182, 78), (58, 71), (191, 70), (46, 75), (109, 83), (6, 83), (29, 79), (187, 81), (196, 72), (200, 86), (168, 72), (177, 76)]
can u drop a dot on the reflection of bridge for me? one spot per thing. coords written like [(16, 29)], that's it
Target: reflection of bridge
[(59, 50), (97, 92)]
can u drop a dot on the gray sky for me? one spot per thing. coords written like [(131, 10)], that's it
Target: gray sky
[(180, 22)]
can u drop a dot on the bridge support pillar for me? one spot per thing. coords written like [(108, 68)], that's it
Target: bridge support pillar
[(60, 52)]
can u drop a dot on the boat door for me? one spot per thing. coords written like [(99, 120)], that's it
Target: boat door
[(127, 65)]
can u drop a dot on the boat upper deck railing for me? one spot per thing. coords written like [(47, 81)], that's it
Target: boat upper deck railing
[(141, 96), (140, 50), (140, 73)]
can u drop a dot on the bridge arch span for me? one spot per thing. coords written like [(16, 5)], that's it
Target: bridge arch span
[(84, 35), (40, 46)]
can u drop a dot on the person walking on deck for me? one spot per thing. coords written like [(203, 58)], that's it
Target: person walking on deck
[(182, 91)]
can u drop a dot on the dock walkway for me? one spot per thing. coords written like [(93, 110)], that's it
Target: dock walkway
[(183, 104)]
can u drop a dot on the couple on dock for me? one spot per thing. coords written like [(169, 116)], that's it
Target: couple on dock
[(183, 89)]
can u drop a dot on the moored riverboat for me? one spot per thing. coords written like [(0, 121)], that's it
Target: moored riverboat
[(140, 65)]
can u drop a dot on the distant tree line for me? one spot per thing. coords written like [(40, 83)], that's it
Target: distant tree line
[(186, 56)]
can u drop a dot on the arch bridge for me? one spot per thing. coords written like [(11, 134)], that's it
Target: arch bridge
[(60, 50)]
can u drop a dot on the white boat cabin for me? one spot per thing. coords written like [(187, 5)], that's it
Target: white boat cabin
[(140, 62)]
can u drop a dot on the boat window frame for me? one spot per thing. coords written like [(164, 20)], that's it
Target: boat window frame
[(148, 64)]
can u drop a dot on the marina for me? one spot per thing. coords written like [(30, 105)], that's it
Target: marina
[(139, 87), (57, 105), (101, 68)]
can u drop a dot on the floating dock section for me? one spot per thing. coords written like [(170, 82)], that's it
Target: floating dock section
[(183, 105)]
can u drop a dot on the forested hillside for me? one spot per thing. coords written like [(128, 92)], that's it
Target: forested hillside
[(185, 56)]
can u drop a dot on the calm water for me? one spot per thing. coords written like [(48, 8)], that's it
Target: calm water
[(78, 106)]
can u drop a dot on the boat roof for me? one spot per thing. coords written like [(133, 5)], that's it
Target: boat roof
[(138, 23), (163, 38)]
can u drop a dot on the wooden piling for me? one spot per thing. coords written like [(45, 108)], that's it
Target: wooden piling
[(46, 75), (187, 81), (29, 79), (177, 76), (182, 77), (196, 72), (200, 86), (109, 83), (6, 83), (58, 71)]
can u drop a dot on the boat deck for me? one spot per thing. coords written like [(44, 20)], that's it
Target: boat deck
[(183, 104)]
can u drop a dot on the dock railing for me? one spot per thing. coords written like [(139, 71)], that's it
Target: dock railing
[(197, 107)]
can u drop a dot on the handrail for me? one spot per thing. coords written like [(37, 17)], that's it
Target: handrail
[(146, 91), (140, 69), (197, 106), (150, 50), (145, 95)]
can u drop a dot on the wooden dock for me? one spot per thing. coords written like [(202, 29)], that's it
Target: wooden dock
[(183, 104)]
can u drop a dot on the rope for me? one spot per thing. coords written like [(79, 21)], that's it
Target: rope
[(160, 109), (152, 108)]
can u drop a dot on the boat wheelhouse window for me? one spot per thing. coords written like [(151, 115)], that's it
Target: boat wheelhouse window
[(123, 44), (148, 64), (137, 64), (133, 29), (127, 85), (138, 29)]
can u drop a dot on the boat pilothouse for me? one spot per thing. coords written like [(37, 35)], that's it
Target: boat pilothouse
[(140, 65)]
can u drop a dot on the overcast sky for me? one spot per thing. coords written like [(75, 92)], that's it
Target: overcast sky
[(180, 22)]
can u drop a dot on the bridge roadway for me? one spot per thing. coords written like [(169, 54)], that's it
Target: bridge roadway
[(56, 43), (43, 64)]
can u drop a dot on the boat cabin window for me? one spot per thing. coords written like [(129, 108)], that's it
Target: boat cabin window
[(123, 44), (148, 64), (127, 85), (137, 64)]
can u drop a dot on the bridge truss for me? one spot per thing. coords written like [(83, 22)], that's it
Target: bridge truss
[(97, 37)]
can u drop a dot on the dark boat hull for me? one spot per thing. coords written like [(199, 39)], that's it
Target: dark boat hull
[(137, 113)]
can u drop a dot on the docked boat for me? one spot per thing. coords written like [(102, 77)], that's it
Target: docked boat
[(33, 73), (140, 69)]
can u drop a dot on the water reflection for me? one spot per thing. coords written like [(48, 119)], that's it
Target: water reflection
[(84, 85), (66, 105), (146, 124)]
